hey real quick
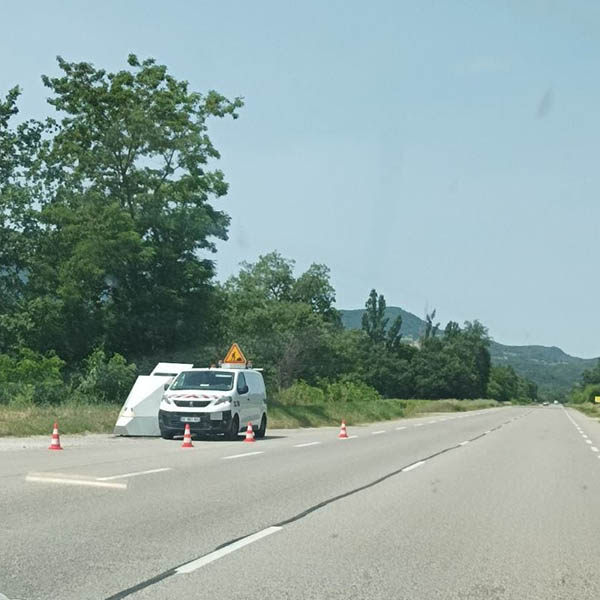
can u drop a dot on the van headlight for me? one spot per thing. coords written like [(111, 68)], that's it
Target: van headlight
[(222, 400)]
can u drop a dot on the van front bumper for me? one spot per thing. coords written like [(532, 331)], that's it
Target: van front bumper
[(171, 422)]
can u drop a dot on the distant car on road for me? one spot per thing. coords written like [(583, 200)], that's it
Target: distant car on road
[(545, 403)]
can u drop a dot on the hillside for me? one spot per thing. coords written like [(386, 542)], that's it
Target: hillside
[(553, 370)]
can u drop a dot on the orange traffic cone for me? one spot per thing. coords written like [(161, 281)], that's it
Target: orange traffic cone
[(249, 433), (187, 437), (343, 433), (55, 443)]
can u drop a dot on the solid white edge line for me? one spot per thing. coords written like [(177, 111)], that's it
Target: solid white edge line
[(414, 466), (464, 443), (133, 474), (306, 444), (66, 481), (378, 432), (242, 455), (205, 560)]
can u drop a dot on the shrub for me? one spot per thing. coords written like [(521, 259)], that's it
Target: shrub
[(105, 379), (31, 377), (300, 394)]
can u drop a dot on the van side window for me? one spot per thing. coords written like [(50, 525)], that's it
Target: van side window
[(241, 383)]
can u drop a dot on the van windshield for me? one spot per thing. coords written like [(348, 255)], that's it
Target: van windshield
[(203, 380)]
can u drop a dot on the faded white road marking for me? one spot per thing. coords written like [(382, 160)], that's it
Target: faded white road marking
[(400, 428), (307, 444), (594, 449), (464, 443), (205, 560), (588, 441), (378, 432), (419, 424), (414, 466), (125, 475), (242, 455), (71, 481)]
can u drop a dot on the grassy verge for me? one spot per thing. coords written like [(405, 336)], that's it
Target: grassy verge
[(588, 408), (72, 418), (331, 413), (101, 418)]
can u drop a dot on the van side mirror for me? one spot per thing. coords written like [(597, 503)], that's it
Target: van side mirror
[(167, 386)]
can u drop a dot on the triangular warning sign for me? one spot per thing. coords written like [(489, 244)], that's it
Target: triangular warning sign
[(235, 356)]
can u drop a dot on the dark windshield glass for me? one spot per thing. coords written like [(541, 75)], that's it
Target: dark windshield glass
[(203, 380)]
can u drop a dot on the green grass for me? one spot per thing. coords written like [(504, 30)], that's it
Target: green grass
[(330, 413), (588, 408), (101, 418), (72, 418)]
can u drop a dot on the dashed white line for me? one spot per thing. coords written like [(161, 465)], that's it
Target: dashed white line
[(594, 449), (419, 424), (243, 455), (70, 481), (205, 560), (414, 466), (378, 432), (486, 432), (307, 444), (400, 428), (430, 422), (464, 443), (125, 475), (588, 441)]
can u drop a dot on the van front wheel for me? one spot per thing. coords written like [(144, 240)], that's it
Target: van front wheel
[(234, 428), (260, 432)]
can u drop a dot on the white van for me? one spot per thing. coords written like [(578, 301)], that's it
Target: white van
[(216, 400)]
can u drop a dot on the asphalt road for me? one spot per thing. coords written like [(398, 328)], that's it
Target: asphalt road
[(495, 504)]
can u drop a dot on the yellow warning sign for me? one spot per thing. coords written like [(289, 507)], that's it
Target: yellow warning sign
[(597, 399), (235, 356)]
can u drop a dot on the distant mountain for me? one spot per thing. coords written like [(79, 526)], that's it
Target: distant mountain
[(552, 369)]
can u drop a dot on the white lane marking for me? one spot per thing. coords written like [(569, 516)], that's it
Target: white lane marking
[(419, 424), (585, 437), (351, 437), (430, 422), (464, 443), (242, 455), (413, 466), (400, 428), (133, 474), (307, 444), (378, 432), (588, 441), (70, 481), (205, 560), (594, 449), (488, 431)]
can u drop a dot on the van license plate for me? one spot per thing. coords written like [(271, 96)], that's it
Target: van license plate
[(190, 419)]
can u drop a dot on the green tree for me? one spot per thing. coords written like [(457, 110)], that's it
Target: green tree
[(123, 196), (375, 323)]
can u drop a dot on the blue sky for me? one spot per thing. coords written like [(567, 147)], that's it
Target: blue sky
[(444, 153)]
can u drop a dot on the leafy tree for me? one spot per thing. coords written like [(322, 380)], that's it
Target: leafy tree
[(506, 386), (375, 323), (431, 330), (592, 376), (285, 324), (123, 203)]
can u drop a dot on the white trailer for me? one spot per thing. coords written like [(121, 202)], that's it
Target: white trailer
[(139, 415)]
